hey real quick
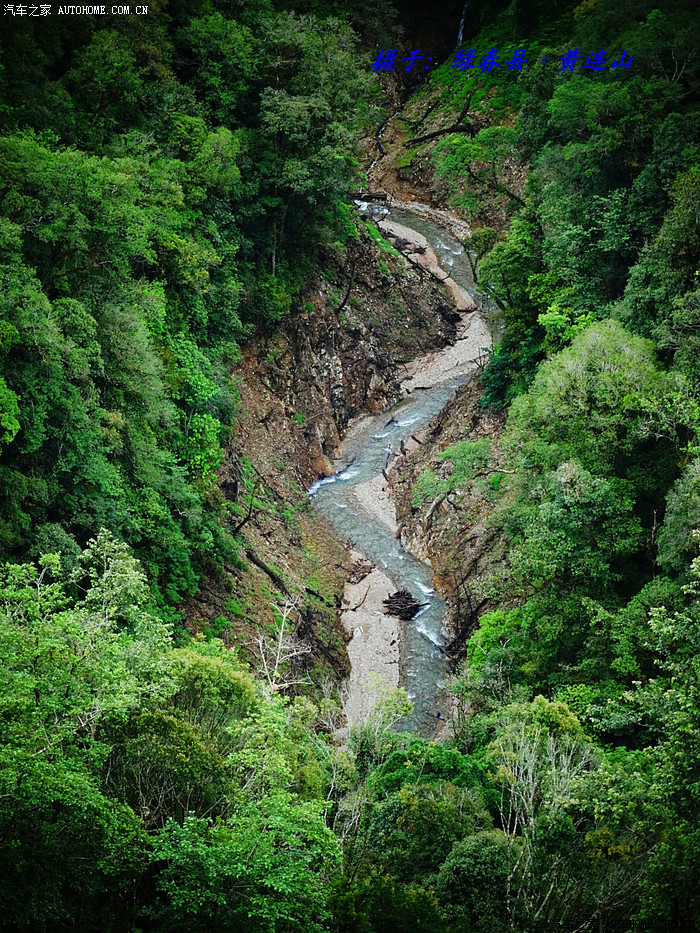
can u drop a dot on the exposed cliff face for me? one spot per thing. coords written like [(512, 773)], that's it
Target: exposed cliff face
[(453, 528), (405, 165), (366, 316), (338, 358)]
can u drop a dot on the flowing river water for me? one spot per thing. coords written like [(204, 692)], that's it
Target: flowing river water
[(368, 448)]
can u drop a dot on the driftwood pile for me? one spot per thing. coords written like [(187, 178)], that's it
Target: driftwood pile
[(403, 605)]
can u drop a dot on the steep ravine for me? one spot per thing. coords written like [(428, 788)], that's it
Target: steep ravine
[(355, 502), (375, 331), (364, 320)]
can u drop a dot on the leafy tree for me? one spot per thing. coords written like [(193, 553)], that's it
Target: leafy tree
[(66, 670), (263, 867), (412, 831), (473, 883)]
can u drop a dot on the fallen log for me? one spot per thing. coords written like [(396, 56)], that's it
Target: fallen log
[(403, 605), (275, 577), (368, 196)]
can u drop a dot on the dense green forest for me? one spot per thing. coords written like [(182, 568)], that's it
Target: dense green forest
[(167, 186)]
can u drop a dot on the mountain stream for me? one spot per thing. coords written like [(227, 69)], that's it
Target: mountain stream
[(355, 503)]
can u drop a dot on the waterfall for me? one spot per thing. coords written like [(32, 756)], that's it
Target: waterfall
[(460, 32)]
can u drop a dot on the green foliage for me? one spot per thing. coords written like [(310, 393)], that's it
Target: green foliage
[(481, 158), (376, 902), (504, 274), (465, 457), (261, 867), (145, 761), (8, 413), (603, 379), (426, 762), (472, 884), (413, 830), (612, 174), (163, 191), (577, 516), (493, 652), (427, 487), (108, 404), (376, 237), (159, 194), (677, 543), (67, 669), (594, 779)]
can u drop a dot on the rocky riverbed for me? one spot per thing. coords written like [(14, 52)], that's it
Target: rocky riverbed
[(356, 501)]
